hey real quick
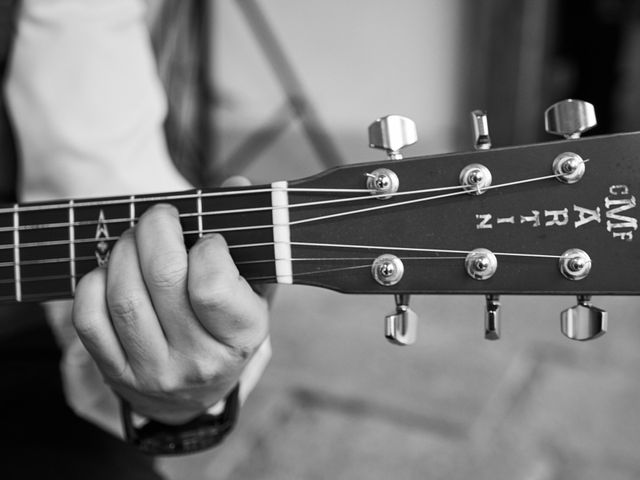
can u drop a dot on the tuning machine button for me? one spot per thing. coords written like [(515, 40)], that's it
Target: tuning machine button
[(480, 126), (570, 118), (392, 133), (401, 327), (583, 321)]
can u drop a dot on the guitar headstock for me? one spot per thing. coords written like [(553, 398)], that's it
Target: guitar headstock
[(554, 218)]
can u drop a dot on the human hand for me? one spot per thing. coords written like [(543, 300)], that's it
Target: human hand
[(170, 330)]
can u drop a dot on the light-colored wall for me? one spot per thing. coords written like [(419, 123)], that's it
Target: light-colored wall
[(357, 59)]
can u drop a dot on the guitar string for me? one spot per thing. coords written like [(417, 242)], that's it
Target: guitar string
[(126, 200), (260, 278), (320, 245), (296, 222), (392, 205), (133, 199), (26, 263), (94, 222)]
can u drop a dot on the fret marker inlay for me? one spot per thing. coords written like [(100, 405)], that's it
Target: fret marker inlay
[(281, 232), (102, 234)]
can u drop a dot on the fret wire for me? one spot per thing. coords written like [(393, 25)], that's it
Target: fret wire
[(72, 248), (132, 211), (16, 254)]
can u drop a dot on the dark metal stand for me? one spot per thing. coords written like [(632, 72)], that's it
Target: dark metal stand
[(297, 107)]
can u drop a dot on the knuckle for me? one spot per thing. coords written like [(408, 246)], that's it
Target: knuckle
[(246, 345), (204, 371), (243, 352), (169, 271), (157, 382), (117, 375), (85, 325), (164, 383), (216, 294), (124, 306)]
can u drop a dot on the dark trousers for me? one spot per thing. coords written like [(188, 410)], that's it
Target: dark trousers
[(40, 437)]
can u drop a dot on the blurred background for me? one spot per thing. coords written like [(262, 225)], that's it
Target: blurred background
[(287, 90)]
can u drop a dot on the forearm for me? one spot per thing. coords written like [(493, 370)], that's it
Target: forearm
[(88, 111)]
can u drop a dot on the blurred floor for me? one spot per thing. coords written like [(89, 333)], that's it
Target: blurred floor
[(338, 401)]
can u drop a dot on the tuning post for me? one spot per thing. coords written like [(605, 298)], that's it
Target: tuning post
[(392, 133), (401, 327), (575, 264), (387, 270), (583, 321), (480, 126), (492, 318), (475, 178), (383, 182), (481, 264), (569, 167), (570, 118)]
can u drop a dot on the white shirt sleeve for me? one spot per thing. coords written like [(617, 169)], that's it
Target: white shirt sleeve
[(88, 110)]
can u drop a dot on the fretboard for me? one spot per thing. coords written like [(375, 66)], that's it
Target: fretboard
[(45, 248)]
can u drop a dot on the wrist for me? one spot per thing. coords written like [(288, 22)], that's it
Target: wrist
[(204, 431)]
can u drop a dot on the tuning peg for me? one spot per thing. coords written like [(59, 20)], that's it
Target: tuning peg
[(492, 318), (583, 321), (570, 118), (401, 327), (480, 125), (392, 133)]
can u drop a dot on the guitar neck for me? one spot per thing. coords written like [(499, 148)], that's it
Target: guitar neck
[(335, 231), (45, 248)]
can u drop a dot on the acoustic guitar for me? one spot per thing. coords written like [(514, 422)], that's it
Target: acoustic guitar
[(554, 218)]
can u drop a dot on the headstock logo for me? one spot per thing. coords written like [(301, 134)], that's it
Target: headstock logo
[(617, 219)]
